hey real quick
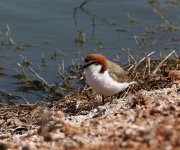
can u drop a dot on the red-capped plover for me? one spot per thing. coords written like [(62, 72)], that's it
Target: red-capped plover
[(104, 76)]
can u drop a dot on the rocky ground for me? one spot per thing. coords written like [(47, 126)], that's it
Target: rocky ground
[(145, 119)]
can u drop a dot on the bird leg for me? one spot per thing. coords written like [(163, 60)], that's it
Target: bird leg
[(103, 99)]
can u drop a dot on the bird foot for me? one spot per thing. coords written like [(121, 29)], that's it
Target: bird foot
[(133, 83)]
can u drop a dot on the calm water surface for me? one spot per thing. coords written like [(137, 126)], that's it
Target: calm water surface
[(45, 26)]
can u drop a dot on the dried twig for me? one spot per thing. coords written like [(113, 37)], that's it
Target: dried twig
[(161, 16), (8, 35), (23, 71), (24, 99), (74, 16), (149, 65), (144, 58), (84, 3), (129, 54), (160, 64), (61, 69), (130, 67), (1, 39), (135, 38), (42, 58), (40, 77), (147, 58)]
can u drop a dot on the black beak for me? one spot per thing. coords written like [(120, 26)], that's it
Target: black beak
[(89, 63)]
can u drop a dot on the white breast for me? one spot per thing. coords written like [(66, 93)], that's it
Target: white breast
[(103, 83)]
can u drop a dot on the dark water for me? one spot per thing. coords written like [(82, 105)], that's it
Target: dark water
[(46, 27)]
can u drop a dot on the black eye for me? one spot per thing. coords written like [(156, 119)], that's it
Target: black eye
[(96, 63), (86, 60), (90, 63)]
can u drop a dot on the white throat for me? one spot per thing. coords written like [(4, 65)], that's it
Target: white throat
[(103, 83)]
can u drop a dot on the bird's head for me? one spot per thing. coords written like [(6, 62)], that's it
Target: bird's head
[(96, 59)]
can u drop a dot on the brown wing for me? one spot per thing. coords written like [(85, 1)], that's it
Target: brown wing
[(118, 73)]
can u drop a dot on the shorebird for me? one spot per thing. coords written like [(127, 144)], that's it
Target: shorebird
[(104, 76)]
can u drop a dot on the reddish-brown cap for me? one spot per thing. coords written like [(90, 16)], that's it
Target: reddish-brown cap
[(98, 58)]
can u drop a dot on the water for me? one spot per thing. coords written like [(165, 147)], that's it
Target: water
[(48, 26)]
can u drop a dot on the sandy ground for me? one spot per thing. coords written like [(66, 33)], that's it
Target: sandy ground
[(145, 120)]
